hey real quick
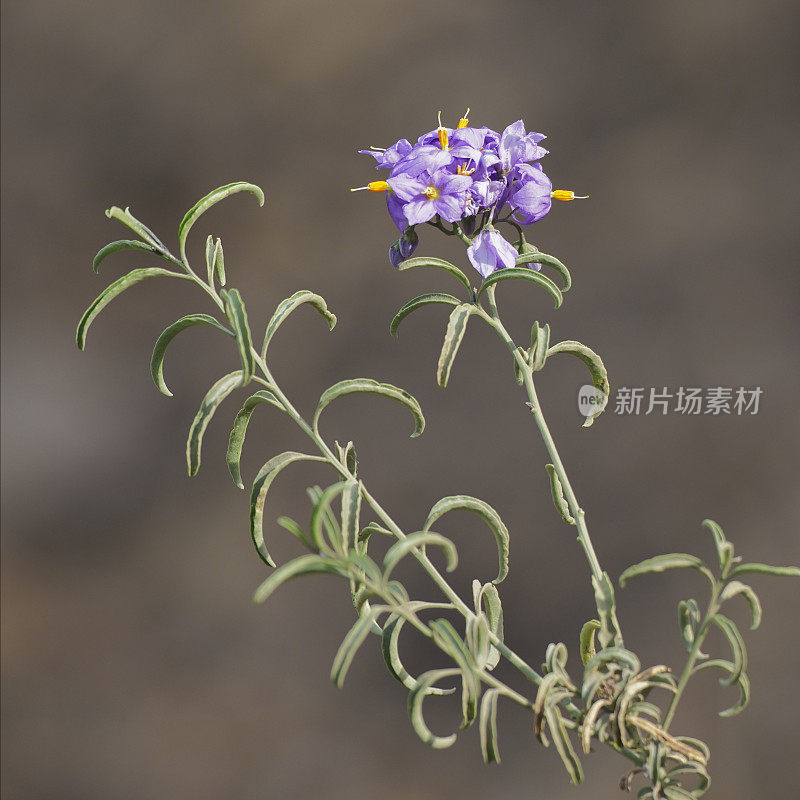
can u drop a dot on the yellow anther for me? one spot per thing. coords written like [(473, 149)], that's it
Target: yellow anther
[(464, 121), (443, 138), (566, 194), (375, 186), (432, 192), (461, 169)]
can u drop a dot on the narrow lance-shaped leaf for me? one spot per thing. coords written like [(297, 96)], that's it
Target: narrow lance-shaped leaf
[(517, 273), (548, 261), (420, 539), (445, 635), (488, 726), (215, 261), (731, 631), (163, 341), (415, 699), (322, 517), (487, 600), (563, 744), (116, 288), (723, 546), (540, 342), (349, 647), (557, 491), (594, 364), (737, 587), (258, 495), (432, 298), (367, 385), (126, 218), (236, 439), (234, 308), (303, 565), (688, 621), (199, 208), (609, 633), (437, 263), (126, 244), (215, 395), (287, 523), (287, 306), (743, 682), (486, 513), (456, 327), (351, 511), (665, 562), (766, 569)]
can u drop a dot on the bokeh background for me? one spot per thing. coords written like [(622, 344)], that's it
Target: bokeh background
[(134, 662)]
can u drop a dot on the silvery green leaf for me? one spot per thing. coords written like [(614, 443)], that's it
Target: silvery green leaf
[(664, 562), (352, 641), (126, 218), (731, 631), (456, 327), (723, 546), (391, 652), (425, 683), (765, 569), (258, 495), (517, 273), (609, 633), (125, 244), (302, 565), (556, 662), (215, 261), (742, 681), (594, 364), (487, 600), (557, 492), (236, 439), (287, 306), (540, 343), (323, 517), (116, 288), (737, 587), (477, 631), (367, 531), (215, 395), (348, 458), (290, 525), (351, 512), (518, 373), (588, 650), (486, 513), (199, 208), (420, 539), (431, 298), (438, 263), (675, 792), (445, 635), (548, 261), (234, 308), (563, 744), (488, 726), (688, 620), (624, 659), (163, 341), (359, 385)]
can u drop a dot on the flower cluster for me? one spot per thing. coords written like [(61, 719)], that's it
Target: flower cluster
[(468, 177)]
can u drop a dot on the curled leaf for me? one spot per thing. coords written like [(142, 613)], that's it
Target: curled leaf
[(456, 327), (286, 307), (234, 308), (594, 364), (420, 539), (488, 726), (303, 565), (416, 697), (437, 263), (557, 492), (432, 298), (737, 587), (517, 273), (548, 261), (665, 562), (236, 438)]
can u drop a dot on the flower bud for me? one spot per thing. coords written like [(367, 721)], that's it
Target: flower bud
[(468, 225), (408, 242)]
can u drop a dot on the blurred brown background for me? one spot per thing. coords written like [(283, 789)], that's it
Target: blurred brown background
[(134, 663)]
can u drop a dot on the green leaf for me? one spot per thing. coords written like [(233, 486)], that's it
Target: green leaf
[(563, 744), (126, 218), (415, 698), (548, 261), (488, 726), (199, 208), (664, 562), (215, 260), (391, 651), (420, 539), (349, 647), (432, 298), (486, 513), (287, 523), (302, 565), (688, 621), (723, 546), (445, 635), (609, 632), (594, 364), (351, 512), (742, 681), (258, 495), (675, 792), (766, 569), (438, 263), (116, 288), (236, 439), (323, 517), (540, 342), (516, 273), (487, 600), (215, 395), (359, 385), (367, 531), (558, 495), (287, 306), (731, 631), (588, 649), (234, 308), (163, 341), (125, 244), (456, 327), (737, 587), (477, 638), (619, 656)]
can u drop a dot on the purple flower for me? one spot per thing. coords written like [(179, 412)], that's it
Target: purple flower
[(404, 247), (427, 195), (529, 195), (516, 146), (391, 155), (489, 252)]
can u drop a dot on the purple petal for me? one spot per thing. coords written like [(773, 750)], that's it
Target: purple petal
[(419, 211), (406, 187), (449, 207)]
